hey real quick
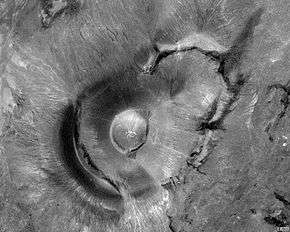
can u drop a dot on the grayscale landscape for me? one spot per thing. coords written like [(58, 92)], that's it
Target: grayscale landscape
[(144, 116)]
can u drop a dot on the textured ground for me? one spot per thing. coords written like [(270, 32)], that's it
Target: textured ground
[(52, 50)]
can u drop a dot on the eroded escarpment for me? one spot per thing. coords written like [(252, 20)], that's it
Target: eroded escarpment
[(233, 153)]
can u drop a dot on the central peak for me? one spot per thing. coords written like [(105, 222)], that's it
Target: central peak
[(128, 131)]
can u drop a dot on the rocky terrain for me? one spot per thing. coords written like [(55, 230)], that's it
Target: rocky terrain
[(205, 84)]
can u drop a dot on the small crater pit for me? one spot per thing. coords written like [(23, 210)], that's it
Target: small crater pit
[(128, 131)]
